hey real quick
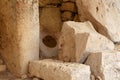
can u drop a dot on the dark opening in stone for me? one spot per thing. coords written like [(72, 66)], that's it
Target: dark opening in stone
[(49, 41)]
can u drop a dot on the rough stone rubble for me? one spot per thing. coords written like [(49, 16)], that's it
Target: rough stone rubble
[(79, 39)]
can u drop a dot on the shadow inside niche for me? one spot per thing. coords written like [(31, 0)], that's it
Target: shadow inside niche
[(49, 41)]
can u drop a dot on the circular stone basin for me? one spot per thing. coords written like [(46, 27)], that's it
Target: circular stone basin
[(49, 41)]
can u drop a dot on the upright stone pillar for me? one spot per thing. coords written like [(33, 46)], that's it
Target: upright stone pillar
[(19, 33)]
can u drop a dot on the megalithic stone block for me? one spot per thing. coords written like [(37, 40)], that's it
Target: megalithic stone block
[(78, 39), (19, 33), (57, 70), (105, 64), (104, 15)]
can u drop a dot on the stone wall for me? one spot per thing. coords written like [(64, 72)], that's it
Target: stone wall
[(80, 34), (67, 8)]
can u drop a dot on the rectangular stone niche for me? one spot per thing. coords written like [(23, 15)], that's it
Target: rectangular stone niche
[(19, 33)]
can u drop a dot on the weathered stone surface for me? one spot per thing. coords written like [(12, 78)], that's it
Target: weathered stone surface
[(67, 15), (117, 47), (24, 77), (2, 68), (36, 79), (19, 33), (57, 70), (76, 18), (50, 20), (1, 61), (78, 39), (48, 45), (68, 6), (104, 14), (43, 3), (68, 0), (92, 77), (105, 64)]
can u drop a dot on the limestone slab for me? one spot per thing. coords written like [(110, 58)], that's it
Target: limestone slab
[(78, 39), (57, 70), (105, 64)]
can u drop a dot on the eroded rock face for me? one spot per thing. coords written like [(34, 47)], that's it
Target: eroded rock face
[(104, 15), (105, 64), (19, 33), (79, 39), (57, 70)]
